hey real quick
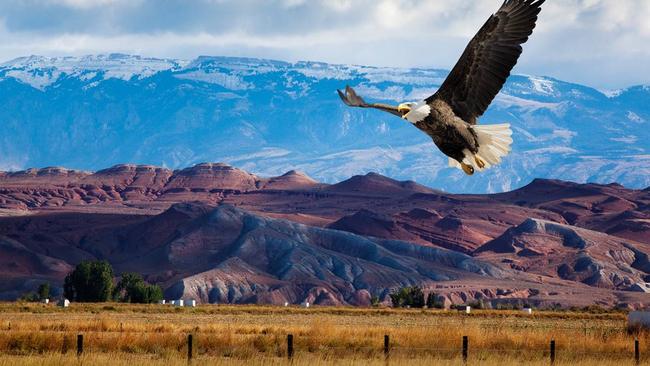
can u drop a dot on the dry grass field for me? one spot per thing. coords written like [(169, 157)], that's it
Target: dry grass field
[(117, 334)]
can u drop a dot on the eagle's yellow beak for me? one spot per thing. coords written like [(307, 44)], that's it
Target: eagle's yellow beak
[(404, 108)]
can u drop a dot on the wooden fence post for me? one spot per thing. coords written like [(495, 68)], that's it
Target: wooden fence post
[(637, 355), (290, 346), (189, 347), (386, 346), (465, 349), (64, 346), (552, 351), (80, 344)]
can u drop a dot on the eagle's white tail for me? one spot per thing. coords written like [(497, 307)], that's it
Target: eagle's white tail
[(493, 144)]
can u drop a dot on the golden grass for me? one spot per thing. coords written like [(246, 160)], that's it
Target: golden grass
[(307, 360), (37, 334)]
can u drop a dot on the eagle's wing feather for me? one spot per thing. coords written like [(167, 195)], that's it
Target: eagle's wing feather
[(351, 98), (488, 59)]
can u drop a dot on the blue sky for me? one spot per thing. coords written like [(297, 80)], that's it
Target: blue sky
[(603, 43)]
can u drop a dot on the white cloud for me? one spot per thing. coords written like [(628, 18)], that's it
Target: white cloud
[(84, 4)]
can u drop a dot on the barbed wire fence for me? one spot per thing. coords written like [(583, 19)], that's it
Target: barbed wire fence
[(387, 350)]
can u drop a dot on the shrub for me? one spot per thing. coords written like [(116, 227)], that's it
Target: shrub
[(480, 304), (29, 297), (374, 301), (132, 288)]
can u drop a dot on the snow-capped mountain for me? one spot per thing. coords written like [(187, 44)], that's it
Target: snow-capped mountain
[(270, 116)]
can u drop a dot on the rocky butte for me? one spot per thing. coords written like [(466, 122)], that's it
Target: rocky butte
[(220, 234)]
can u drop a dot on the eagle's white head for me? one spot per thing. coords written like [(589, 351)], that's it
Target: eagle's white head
[(414, 112)]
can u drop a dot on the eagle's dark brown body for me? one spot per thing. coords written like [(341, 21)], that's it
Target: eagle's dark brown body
[(450, 115), (450, 134)]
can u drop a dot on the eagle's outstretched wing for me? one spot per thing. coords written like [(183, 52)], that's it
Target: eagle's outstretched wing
[(488, 59), (351, 98)]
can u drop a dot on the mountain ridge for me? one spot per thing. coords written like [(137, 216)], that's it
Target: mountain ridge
[(221, 234), (270, 117)]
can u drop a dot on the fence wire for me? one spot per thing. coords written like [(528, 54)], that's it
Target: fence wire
[(205, 344)]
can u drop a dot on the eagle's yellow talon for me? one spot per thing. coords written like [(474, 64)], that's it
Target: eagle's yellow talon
[(468, 169), (480, 163)]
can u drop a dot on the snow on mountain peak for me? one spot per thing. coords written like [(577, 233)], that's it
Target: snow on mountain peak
[(634, 117), (266, 116), (542, 85), (41, 72), (612, 93)]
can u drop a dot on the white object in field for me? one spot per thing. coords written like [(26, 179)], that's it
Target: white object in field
[(177, 302), (64, 303), (305, 304), (45, 301), (528, 310), (468, 309), (190, 303), (161, 302), (286, 303), (639, 318)]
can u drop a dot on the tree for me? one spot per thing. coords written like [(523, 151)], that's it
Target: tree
[(146, 294), (90, 281), (374, 301), (408, 296), (417, 297), (124, 289), (44, 290), (432, 301), (398, 298), (132, 288)]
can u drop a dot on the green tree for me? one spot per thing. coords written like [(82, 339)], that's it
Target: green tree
[(146, 294), (408, 296), (433, 302), (132, 288), (398, 298), (417, 297), (124, 289), (90, 281), (44, 290), (374, 301)]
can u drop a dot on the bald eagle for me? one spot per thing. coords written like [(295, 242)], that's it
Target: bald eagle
[(449, 116)]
